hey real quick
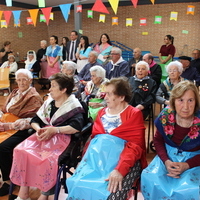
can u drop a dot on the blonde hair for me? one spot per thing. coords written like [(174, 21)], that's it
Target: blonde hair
[(180, 89)]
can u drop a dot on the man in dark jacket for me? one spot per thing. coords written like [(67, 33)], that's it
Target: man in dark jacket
[(155, 70)]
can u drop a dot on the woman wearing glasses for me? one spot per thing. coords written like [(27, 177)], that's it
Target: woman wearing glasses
[(174, 70)]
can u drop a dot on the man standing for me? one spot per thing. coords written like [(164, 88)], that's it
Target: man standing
[(117, 66), (155, 69), (189, 72), (196, 59), (137, 56), (72, 46)]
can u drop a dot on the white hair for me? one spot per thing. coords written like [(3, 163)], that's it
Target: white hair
[(70, 65), (24, 71), (175, 63), (100, 71), (44, 41), (143, 63), (94, 53), (117, 50)]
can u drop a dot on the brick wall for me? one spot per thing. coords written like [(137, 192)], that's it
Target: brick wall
[(130, 36)]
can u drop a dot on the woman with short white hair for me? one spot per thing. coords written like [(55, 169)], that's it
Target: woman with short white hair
[(174, 70), (94, 90), (143, 88)]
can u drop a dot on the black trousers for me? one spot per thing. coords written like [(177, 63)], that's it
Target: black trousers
[(6, 152)]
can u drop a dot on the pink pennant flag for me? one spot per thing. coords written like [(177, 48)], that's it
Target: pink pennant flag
[(100, 7), (7, 15), (134, 3), (47, 13)]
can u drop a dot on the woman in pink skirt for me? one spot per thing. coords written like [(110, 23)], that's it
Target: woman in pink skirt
[(35, 159), (53, 54)]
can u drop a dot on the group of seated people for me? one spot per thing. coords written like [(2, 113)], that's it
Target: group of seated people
[(118, 104)]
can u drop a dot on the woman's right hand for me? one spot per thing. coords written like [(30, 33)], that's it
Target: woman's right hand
[(46, 133)]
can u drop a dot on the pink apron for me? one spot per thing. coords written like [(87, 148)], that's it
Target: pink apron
[(52, 70)]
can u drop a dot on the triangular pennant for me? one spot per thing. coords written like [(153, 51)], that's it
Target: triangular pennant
[(152, 1), (1, 13), (100, 7), (47, 12), (16, 15), (8, 2), (33, 14), (7, 15), (65, 8), (114, 4), (134, 3)]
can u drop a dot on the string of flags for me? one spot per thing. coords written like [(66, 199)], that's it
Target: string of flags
[(98, 6)]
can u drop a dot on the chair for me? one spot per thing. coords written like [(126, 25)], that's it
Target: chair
[(4, 79), (73, 153)]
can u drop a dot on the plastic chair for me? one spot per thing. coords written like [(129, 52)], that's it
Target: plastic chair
[(4, 79)]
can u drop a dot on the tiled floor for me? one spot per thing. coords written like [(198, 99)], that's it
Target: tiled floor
[(34, 193)]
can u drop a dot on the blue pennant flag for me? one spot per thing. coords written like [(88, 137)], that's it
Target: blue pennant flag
[(16, 15), (65, 8)]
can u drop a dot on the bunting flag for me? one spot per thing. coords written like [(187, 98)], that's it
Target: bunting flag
[(152, 1), (158, 20), (115, 21), (46, 12), (114, 4), (129, 22), (1, 13), (41, 3), (51, 16), (7, 15), (174, 16), (16, 15), (145, 33), (3, 24), (65, 8), (79, 9), (190, 10), (33, 14), (8, 3), (102, 18), (134, 3), (29, 20), (143, 21), (42, 18), (100, 7), (90, 14)]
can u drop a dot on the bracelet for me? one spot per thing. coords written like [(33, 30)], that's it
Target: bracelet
[(58, 130)]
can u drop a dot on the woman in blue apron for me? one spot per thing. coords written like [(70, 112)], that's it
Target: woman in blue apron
[(175, 172)]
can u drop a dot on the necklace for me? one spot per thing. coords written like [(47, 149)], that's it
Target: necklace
[(184, 123)]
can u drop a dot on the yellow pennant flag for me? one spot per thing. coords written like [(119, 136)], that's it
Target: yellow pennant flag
[(51, 16), (3, 24), (129, 22), (114, 5), (33, 14), (102, 18), (152, 1), (174, 16)]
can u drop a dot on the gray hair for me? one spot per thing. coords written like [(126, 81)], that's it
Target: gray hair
[(70, 65), (117, 50), (44, 41), (94, 53), (175, 63), (24, 71), (142, 63), (100, 71)]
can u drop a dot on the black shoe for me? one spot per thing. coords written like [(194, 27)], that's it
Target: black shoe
[(12, 197), (4, 190)]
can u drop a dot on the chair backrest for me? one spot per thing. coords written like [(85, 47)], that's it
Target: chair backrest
[(4, 75)]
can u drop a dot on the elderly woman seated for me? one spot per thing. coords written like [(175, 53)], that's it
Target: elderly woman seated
[(143, 88), (94, 91), (32, 64), (174, 69), (35, 159), (174, 173), (69, 68), (116, 153), (21, 105)]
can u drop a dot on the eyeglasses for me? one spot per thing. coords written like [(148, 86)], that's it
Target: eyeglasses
[(114, 54)]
